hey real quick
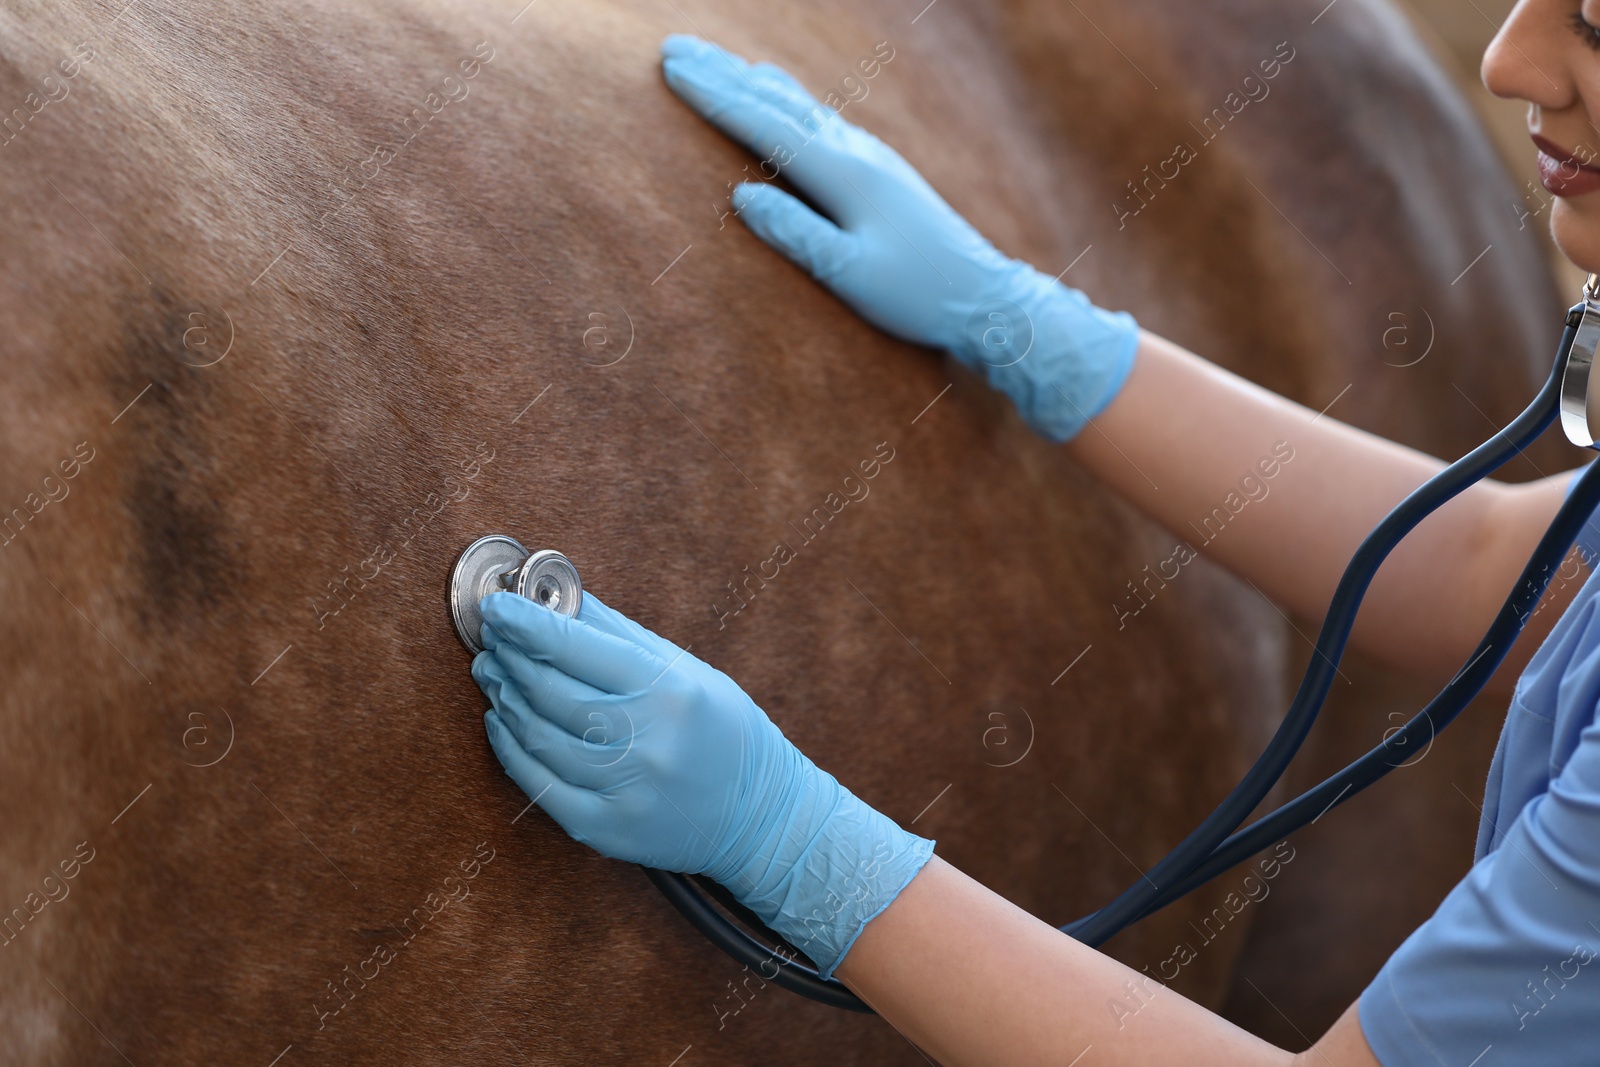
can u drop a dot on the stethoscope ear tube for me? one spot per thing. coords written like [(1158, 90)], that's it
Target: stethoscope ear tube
[(1176, 867), (1402, 744)]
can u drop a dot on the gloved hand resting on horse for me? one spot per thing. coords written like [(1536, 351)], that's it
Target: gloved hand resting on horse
[(894, 251)]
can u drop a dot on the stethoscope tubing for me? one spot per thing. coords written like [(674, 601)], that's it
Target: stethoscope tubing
[(1217, 844), (1401, 746), (1192, 852)]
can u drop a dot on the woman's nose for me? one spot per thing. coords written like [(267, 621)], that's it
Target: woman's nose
[(1528, 59)]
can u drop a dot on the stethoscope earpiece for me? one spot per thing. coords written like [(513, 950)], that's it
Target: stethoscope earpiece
[(1580, 404)]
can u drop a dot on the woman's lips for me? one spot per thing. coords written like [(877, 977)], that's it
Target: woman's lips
[(1561, 174)]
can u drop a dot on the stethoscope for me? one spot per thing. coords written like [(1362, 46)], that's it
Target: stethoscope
[(1572, 391)]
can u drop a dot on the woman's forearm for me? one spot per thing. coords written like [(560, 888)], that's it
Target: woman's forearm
[(1203, 452), (970, 978)]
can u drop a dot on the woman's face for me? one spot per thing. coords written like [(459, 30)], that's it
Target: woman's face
[(1548, 53)]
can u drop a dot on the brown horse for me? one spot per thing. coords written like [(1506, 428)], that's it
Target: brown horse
[(303, 297)]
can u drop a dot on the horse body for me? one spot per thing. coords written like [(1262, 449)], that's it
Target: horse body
[(307, 297)]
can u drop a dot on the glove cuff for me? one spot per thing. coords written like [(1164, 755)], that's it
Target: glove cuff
[(1059, 359), (831, 866)]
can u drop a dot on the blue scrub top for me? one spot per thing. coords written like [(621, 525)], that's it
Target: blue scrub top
[(1507, 971)]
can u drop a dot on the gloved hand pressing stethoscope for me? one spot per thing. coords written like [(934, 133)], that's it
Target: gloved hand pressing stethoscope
[(897, 253), (646, 754)]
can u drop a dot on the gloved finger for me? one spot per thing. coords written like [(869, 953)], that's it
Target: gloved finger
[(588, 761), (683, 55), (768, 111), (597, 614), (782, 91), (488, 636), (488, 673), (772, 76), (791, 227), (558, 697), (610, 664), (575, 808), (718, 85), (493, 677)]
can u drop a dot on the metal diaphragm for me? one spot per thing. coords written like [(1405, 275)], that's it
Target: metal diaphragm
[(499, 563)]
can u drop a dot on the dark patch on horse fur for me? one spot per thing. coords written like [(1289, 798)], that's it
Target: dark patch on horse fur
[(181, 543)]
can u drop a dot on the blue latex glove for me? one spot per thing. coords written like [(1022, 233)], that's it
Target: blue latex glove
[(646, 754), (894, 251)]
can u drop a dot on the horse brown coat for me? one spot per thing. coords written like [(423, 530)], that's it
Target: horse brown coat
[(327, 291)]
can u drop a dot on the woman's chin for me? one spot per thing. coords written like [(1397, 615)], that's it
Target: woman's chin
[(1575, 226)]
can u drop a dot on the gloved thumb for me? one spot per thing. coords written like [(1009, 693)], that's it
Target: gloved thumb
[(795, 230)]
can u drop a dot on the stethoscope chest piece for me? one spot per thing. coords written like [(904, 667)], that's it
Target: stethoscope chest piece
[(1580, 385), (498, 563)]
